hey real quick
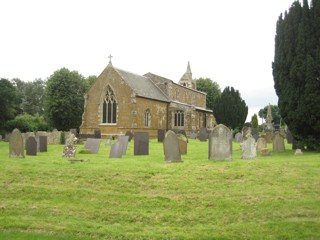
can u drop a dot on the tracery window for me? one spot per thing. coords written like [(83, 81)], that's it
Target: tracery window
[(179, 119), (109, 107)]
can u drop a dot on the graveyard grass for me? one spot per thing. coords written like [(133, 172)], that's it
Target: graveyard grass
[(142, 197)]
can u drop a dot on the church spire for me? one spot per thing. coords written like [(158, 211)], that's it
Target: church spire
[(186, 79)]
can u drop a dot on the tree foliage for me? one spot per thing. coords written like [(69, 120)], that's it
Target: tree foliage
[(254, 121), (10, 101), (27, 123), (296, 71), (33, 96), (64, 99), (274, 111), (211, 88), (230, 109)]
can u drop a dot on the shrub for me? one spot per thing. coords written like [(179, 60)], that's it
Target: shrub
[(84, 151), (27, 123)]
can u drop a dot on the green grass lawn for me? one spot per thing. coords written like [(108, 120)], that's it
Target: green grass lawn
[(142, 197)]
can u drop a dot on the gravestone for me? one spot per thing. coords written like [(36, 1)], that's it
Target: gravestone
[(124, 141), (116, 150), (203, 135), (16, 146), (161, 134), (269, 136), (97, 133), (171, 147), (220, 143), (183, 132), (245, 132), (141, 143), (298, 152), (261, 143), (70, 148), (193, 135), (183, 143), (31, 146), (108, 142), (238, 137), (249, 148), (255, 136), (129, 133), (43, 143), (278, 143), (265, 152), (74, 131), (93, 144)]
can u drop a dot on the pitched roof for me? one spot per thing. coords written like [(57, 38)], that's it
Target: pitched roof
[(142, 85)]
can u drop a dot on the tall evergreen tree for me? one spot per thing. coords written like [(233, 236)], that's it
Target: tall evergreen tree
[(230, 109), (296, 71)]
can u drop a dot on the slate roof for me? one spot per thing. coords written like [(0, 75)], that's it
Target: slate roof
[(142, 86)]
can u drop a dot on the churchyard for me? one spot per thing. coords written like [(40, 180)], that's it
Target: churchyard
[(46, 196)]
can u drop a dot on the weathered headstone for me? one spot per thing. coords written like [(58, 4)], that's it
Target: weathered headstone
[(203, 135), (31, 146), (129, 133), (183, 132), (171, 147), (161, 134), (141, 143), (116, 150), (249, 148), (108, 142), (298, 152), (278, 143), (220, 143), (93, 144), (193, 135), (124, 141), (261, 143), (97, 133), (183, 143), (43, 143), (16, 146), (246, 131), (74, 131), (70, 148), (269, 136), (265, 152), (238, 137)]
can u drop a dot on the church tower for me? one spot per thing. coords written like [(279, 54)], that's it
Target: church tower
[(186, 79)]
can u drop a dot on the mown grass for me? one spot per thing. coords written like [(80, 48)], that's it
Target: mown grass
[(142, 197)]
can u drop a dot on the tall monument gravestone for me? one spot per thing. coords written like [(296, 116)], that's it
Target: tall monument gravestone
[(220, 143), (16, 146), (171, 147)]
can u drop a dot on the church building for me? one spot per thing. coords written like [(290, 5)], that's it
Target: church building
[(121, 101)]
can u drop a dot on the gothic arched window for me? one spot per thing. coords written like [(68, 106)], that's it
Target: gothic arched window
[(109, 107), (147, 118), (179, 119)]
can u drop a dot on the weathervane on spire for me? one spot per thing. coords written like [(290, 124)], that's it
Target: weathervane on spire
[(110, 58)]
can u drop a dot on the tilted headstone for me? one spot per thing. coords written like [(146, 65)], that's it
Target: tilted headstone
[(220, 143), (93, 144), (238, 137), (43, 143), (161, 134), (116, 150), (31, 146), (70, 148), (203, 135), (261, 143), (249, 148), (183, 143), (124, 141), (130, 134), (16, 145), (278, 143), (141, 143), (97, 133), (171, 147)]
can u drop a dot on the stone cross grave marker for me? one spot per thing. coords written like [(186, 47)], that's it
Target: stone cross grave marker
[(16, 146), (220, 143), (171, 147), (141, 143)]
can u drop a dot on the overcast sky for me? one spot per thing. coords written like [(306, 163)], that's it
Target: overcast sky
[(231, 42)]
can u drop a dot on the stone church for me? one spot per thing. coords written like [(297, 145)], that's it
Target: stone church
[(121, 101)]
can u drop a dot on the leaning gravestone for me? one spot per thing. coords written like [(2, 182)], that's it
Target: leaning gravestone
[(249, 148), (97, 133), (278, 143), (261, 143), (203, 135), (16, 146), (183, 143), (141, 143), (161, 134), (31, 146), (43, 143), (171, 147), (116, 150), (124, 141), (129, 133), (70, 148), (220, 143), (93, 144), (238, 137)]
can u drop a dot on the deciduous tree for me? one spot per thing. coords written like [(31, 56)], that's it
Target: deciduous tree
[(211, 88)]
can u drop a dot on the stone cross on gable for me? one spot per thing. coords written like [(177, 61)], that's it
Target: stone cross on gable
[(110, 58)]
